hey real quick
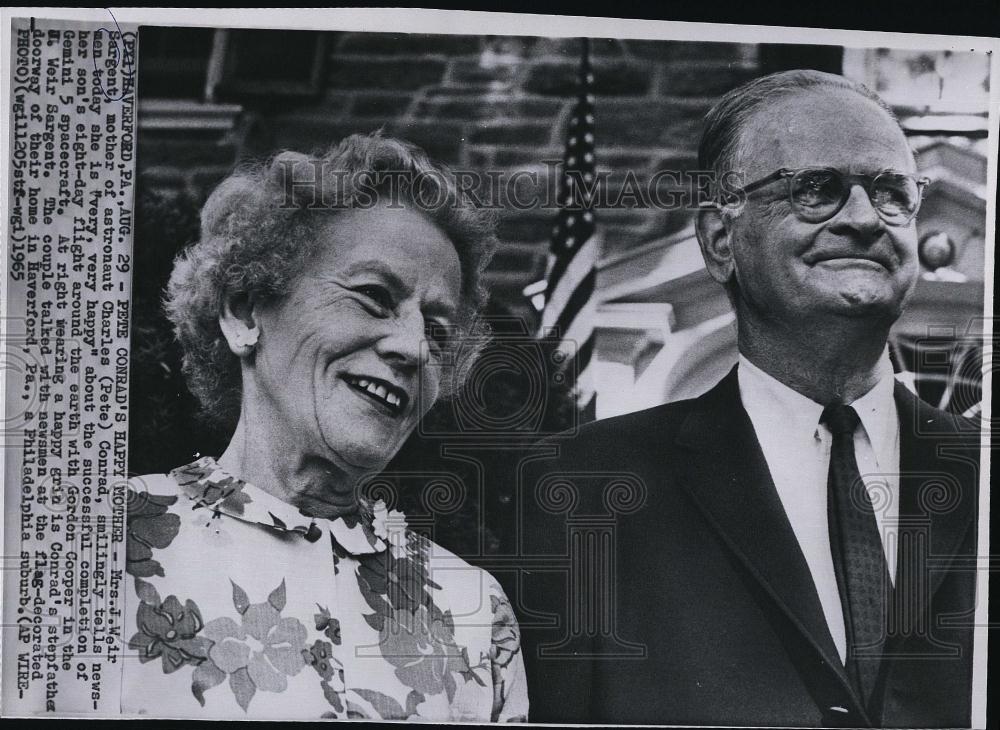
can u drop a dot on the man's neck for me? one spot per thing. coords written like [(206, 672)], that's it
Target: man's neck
[(832, 362)]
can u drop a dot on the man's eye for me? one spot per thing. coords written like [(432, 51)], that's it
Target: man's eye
[(377, 294)]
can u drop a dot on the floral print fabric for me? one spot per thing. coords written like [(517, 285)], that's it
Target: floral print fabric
[(242, 607)]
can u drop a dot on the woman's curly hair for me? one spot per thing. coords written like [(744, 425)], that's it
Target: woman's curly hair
[(256, 238)]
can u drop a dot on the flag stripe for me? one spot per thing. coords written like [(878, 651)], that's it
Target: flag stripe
[(581, 266), (582, 359), (584, 386), (581, 329), (575, 304)]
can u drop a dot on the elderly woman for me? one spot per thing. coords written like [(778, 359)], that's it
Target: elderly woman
[(320, 314)]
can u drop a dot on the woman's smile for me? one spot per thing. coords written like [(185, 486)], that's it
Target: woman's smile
[(385, 396)]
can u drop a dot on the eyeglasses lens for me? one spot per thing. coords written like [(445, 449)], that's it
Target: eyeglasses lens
[(819, 194), (896, 197)]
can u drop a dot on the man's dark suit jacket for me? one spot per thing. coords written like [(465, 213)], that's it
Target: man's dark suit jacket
[(711, 589)]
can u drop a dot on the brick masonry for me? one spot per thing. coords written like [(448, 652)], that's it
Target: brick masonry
[(481, 102)]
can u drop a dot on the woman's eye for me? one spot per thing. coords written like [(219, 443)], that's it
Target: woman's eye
[(377, 294), (437, 334)]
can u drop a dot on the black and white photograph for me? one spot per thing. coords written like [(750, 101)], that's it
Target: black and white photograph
[(450, 366)]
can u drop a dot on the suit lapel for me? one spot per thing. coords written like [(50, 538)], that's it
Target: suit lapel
[(937, 499), (730, 482)]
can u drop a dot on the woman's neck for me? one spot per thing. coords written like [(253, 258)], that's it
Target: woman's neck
[(276, 463)]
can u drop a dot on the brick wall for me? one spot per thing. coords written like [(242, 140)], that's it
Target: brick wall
[(484, 103)]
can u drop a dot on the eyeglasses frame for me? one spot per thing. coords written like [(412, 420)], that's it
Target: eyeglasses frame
[(867, 182)]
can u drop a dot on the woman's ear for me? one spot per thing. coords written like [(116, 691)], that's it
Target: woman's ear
[(239, 325), (714, 229)]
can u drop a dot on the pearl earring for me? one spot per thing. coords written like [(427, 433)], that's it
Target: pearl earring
[(246, 340)]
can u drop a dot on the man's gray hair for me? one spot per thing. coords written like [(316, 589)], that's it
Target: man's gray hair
[(722, 143), (722, 139)]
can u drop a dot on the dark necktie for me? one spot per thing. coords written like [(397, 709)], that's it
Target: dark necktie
[(858, 557)]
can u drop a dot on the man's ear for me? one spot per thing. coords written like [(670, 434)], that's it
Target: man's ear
[(713, 228), (239, 325)]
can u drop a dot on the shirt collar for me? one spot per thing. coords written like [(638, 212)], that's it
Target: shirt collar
[(211, 487), (877, 410), (793, 412), (782, 408)]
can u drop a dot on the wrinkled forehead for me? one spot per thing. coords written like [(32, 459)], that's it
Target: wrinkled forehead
[(823, 128)]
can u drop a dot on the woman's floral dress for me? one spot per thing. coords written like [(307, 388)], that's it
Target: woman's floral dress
[(239, 606)]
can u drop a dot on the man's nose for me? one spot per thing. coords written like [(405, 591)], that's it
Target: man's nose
[(859, 214)]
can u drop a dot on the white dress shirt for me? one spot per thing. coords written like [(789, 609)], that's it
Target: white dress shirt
[(797, 450)]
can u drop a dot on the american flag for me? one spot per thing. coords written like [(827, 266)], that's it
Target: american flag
[(568, 315)]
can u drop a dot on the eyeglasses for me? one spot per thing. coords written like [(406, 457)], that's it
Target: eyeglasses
[(817, 194)]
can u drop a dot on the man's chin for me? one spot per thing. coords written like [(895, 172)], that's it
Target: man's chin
[(867, 302)]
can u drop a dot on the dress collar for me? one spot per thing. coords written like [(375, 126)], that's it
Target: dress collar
[(212, 487)]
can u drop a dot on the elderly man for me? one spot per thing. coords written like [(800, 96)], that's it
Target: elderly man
[(798, 548)]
